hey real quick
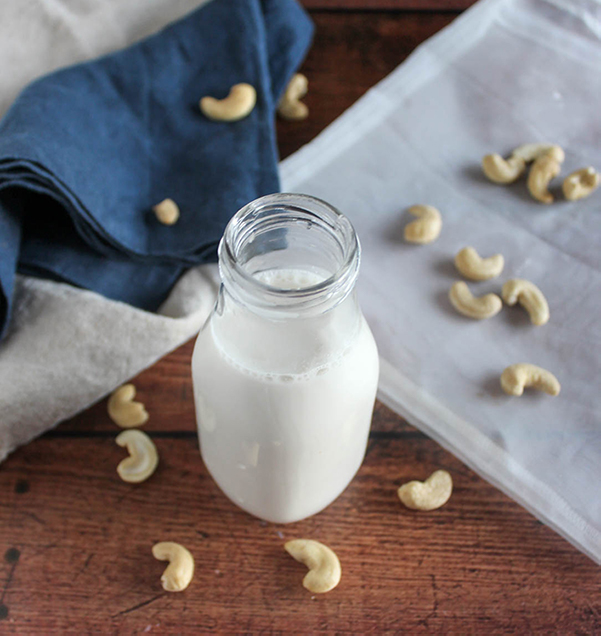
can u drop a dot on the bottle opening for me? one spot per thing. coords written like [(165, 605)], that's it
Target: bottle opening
[(289, 250)]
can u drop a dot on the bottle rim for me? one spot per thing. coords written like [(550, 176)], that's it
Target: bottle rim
[(281, 209)]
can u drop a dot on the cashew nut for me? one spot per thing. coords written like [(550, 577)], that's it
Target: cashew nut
[(179, 572), (500, 170), (427, 495), (426, 228), (290, 107), (516, 377), (123, 410), (143, 456), (508, 170), (531, 152), (324, 566), (580, 184), (472, 306), (237, 105), (472, 266), (518, 290), (543, 170), (167, 211)]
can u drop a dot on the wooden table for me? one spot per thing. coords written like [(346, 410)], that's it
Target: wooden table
[(76, 540)]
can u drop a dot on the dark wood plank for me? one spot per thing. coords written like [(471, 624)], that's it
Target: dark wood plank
[(390, 5), (352, 52), (75, 541), (84, 538)]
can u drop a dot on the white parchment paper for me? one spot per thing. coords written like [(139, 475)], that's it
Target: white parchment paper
[(504, 73)]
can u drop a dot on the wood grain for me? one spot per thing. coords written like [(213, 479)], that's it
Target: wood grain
[(84, 537), (350, 53), (75, 540)]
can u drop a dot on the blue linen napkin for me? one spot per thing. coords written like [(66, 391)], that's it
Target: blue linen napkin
[(87, 151)]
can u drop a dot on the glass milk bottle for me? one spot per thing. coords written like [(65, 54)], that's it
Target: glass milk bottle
[(285, 370)]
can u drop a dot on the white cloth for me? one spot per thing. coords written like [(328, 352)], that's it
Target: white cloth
[(505, 72), (39, 36)]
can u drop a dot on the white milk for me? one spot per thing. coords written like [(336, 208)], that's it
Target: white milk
[(280, 445), (290, 278)]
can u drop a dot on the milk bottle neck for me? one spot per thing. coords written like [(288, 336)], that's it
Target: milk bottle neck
[(288, 256)]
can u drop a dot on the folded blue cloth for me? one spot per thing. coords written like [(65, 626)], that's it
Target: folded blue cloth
[(87, 151)]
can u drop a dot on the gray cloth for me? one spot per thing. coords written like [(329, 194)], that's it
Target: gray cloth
[(67, 348)]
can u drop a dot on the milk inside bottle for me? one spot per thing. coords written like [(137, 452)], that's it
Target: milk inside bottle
[(285, 370)]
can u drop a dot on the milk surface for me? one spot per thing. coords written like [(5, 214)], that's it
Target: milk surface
[(290, 278), (283, 446)]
